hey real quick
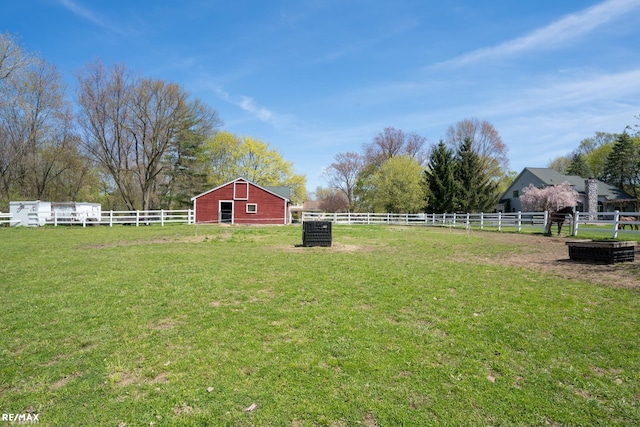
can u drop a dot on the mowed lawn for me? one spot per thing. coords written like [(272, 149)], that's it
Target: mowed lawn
[(236, 326)]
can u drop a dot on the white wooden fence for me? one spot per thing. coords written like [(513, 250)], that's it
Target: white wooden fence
[(136, 218), (606, 222), (7, 218), (110, 218)]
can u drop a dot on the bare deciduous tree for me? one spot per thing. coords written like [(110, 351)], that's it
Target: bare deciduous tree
[(158, 110), (130, 124), (104, 98), (13, 64), (393, 142), (331, 200), (12, 58), (343, 174), (36, 126), (49, 124), (485, 141)]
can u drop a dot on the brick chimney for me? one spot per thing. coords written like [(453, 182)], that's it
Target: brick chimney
[(591, 195)]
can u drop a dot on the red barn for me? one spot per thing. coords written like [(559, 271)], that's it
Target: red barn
[(243, 202)]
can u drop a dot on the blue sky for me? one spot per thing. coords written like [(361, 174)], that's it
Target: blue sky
[(314, 78)]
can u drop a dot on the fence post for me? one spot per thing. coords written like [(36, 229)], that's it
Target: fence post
[(111, 218), (546, 219), (499, 221), (576, 220), (162, 217), (55, 218), (616, 221), (137, 218), (468, 224), (519, 221), (481, 220)]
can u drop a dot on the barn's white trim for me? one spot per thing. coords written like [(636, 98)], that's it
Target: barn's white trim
[(239, 179), (238, 195), (233, 208)]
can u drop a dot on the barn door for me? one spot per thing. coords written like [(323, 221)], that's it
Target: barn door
[(225, 213)]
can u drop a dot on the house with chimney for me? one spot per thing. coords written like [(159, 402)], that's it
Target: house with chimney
[(594, 195)]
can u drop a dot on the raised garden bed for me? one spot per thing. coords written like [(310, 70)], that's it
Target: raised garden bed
[(608, 251)]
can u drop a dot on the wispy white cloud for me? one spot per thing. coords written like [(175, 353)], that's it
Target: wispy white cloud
[(89, 15), (590, 91), (249, 105), (560, 32), (551, 117)]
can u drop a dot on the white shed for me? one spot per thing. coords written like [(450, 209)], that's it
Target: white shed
[(30, 213)]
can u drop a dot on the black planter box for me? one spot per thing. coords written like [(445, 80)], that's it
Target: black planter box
[(316, 233), (602, 251)]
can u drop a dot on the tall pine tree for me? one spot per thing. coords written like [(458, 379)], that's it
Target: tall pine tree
[(476, 191), (186, 173), (440, 181), (578, 166), (622, 168)]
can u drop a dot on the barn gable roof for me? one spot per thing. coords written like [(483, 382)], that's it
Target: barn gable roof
[(276, 191)]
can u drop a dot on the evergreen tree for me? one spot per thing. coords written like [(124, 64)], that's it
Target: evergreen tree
[(578, 166), (440, 182), (476, 191), (622, 168), (185, 169)]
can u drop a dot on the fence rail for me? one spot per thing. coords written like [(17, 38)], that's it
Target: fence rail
[(613, 223), (7, 218), (110, 218), (606, 222), (136, 218)]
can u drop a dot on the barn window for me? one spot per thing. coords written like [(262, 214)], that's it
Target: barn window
[(516, 194), (252, 208)]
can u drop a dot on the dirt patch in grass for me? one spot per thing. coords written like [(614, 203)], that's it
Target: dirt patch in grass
[(163, 325), (335, 247), (183, 409), (369, 420), (123, 379), (551, 255), (63, 381), (163, 240)]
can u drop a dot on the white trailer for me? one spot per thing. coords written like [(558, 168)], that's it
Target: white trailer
[(30, 213)]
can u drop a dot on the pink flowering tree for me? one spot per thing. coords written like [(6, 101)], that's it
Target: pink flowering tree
[(549, 199)]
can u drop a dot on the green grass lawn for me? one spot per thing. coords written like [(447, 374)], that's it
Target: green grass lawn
[(193, 326)]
